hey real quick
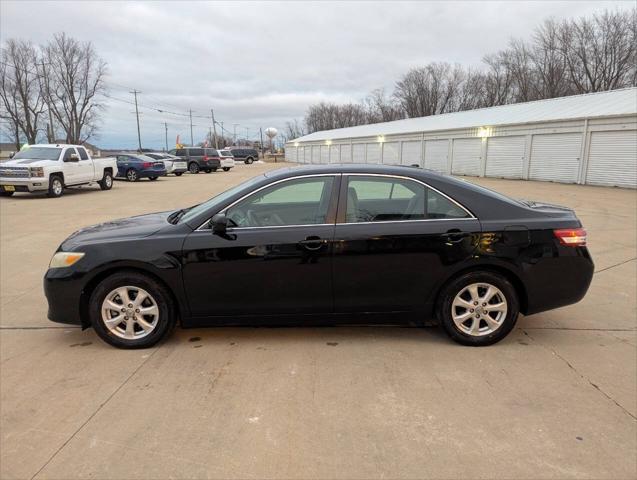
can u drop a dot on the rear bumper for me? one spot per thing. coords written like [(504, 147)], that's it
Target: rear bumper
[(25, 184), (151, 173), (227, 163), (209, 163)]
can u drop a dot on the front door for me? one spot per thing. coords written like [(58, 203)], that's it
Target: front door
[(393, 242), (274, 260), (72, 167)]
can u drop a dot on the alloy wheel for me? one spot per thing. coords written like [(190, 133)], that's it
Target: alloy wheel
[(130, 312), (131, 175), (57, 186), (479, 309)]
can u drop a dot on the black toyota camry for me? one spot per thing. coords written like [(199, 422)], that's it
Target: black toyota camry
[(325, 244)]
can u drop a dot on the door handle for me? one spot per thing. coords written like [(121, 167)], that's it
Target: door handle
[(313, 243), (454, 235)]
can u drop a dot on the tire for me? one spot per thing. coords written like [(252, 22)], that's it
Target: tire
[(226, 169), (152, 179), (249, 160), (6, 194), (158, 323), (193, 167), (179, 174), (56, 186), (459, 298), (106, 183), (208, 170), (131, 175)]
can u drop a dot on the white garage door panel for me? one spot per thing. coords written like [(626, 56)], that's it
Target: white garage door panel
[(335, 154), (436, 153), (316, 154), (346, 154), (373, 153), (290, 154), (555, 157), (412, 152), (466, 156), (325, 154), (391, 153), (612, 159), (359, 152), (505, 157)]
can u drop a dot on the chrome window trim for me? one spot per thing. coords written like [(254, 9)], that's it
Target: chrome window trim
[(201, 227), (402, 177)]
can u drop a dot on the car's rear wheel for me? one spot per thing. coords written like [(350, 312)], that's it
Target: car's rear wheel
[(478, 308), (178, 174), (131, 175), (193, 167), (249, 160), (56, 186), (208, 170), (106, 183), (131, 310), (226, 169)]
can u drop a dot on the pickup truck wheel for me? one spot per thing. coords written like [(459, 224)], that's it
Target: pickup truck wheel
[(193, 167), (226, 169), (249, 160), (152, 179), (131, 175), (56, 186), (106, 183), (131, 310), (178, 174)]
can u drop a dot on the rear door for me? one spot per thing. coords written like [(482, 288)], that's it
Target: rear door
[(394, 239), (275, 260)]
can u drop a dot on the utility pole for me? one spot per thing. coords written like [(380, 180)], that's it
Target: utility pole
[(247, 130), (261, 134), (214, 127), (166, 127), (223, 136), (139, 135), (192, 143), (234, 134)]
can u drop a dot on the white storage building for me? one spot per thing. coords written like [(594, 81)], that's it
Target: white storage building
[(589, 139)]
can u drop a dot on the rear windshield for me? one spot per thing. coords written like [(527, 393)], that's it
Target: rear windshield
[(225, 153), (39, 153)]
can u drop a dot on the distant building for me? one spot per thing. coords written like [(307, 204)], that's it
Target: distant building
[(588, 139)]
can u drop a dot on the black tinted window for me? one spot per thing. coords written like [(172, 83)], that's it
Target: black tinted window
[(68, 153), (154, 156), (82, 152), (211, 152), (196, 152), (180, 152)]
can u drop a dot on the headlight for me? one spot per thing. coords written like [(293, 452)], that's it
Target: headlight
[(36, 171), (65, 259)]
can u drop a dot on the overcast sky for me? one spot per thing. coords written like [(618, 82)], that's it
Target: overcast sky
[(261, 64)]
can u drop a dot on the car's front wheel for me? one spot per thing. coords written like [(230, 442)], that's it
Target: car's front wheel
[(56, 186), (131, 310), (478, 308)]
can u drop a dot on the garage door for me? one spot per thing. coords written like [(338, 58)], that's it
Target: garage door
[(290, 154), (436, 153), (325, 154), (391, 153), (412, 152), (316, 154), (505, 157), (335, 154), (358, 152), (555, 157), (373, 153), (612, 159), (346, 154), (466, 156)]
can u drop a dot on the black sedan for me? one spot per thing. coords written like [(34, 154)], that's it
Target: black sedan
[(325, 244)]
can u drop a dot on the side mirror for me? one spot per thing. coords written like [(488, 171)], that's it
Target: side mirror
[(219, 224)]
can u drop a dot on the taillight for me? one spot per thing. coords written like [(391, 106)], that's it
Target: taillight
[(571, 237), (205, 158), (147, 164)]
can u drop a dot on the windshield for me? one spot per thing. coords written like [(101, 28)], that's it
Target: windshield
[(202, 207), (39, 153)]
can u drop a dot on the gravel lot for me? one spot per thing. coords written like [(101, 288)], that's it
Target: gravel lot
[(556, 399)]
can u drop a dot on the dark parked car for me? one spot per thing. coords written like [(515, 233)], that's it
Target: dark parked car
[(328, 244), (132, 167), (206, 159), (247, 155)]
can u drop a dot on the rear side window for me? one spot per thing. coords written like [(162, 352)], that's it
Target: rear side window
[(180, 152), (380, 199), (68, 153), (83, 154), (211, 152), (196, 152)]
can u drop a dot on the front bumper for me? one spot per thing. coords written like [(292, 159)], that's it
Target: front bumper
[(33, 184), (63, 291)]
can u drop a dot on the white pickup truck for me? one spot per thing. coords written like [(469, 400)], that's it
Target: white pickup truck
[(52, 168)]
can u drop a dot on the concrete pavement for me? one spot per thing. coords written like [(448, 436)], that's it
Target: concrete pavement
[(556, 399)]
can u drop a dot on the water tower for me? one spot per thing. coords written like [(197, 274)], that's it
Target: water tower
[(271, 132)]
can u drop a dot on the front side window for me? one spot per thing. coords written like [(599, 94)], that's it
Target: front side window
[(196, 152), (303, 201), (381, 199)]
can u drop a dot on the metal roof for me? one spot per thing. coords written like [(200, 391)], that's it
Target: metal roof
[(613, 103)]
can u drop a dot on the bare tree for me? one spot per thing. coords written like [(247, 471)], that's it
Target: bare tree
[(293, 129), (22, 100), (381, 108), (75, 75)]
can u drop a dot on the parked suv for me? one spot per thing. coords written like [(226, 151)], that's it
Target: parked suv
[(247, 155), (198, 158)]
